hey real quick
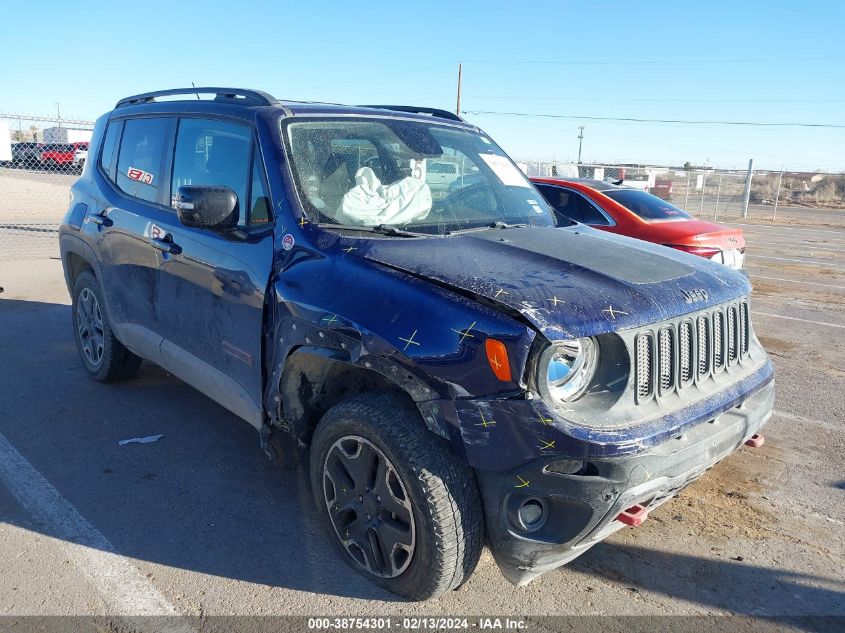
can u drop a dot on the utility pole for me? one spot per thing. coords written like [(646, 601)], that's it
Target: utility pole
[(777, 195), (580, 139), (58, 114), (747, 193), (460, 73), (703, 188)]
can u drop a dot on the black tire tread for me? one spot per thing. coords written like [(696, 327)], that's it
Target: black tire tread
[(448, 483), (118, 362)]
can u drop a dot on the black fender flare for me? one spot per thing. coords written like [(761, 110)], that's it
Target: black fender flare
[(71, 244), (307, 356)]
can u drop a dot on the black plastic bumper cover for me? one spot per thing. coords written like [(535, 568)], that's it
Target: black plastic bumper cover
[(579, 509)]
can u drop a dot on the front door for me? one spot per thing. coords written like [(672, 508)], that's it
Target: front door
[(210, 290)]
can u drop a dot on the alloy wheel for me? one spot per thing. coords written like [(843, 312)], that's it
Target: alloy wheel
[(369, 507), (89, 319)]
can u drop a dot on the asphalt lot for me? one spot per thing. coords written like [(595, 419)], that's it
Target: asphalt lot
[(200, 523)]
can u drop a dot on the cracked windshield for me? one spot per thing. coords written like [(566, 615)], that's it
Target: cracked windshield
[(405, 174)]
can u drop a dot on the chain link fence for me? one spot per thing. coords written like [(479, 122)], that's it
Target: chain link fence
[(720, 194), (40, 158)]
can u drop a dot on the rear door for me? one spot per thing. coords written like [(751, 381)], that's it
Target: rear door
[(210, 290), (135, 158)]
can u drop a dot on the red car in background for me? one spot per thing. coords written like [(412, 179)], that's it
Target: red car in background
[(61, 154), (639, 214)]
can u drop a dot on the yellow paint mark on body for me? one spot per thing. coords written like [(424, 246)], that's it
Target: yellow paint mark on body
[(465, 332), (613, 312), (484, 421)]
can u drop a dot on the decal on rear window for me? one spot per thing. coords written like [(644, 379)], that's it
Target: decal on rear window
[(145, 177)]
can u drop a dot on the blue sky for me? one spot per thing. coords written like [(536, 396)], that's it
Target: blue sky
[(658, 60)]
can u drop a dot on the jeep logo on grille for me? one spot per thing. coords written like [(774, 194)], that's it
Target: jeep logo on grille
[(694, 296)]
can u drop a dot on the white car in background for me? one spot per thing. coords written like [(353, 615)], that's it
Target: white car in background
[(79, 158), (439, 175)]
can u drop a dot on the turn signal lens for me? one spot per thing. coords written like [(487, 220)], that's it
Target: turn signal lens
[(497, 356)]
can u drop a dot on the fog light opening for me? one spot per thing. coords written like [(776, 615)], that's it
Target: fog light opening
[(531, 513)]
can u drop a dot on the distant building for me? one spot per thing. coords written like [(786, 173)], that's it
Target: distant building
[(66, 135)]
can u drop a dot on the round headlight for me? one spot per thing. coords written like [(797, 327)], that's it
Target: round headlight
[(567, 367)]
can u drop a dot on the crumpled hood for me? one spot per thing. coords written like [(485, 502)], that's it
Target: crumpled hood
[(566, 282)]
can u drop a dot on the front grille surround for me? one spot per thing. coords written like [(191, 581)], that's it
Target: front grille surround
[(673, 357)]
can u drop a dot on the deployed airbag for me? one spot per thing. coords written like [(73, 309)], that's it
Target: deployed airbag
[(371, 203)]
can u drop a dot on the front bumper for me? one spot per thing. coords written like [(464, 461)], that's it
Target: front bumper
[(581, 509)]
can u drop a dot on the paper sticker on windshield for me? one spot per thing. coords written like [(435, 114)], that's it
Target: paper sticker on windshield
[(133, 173), (505, 171)]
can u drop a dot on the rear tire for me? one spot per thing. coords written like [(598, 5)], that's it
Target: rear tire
[(413, 485), (104, 357)]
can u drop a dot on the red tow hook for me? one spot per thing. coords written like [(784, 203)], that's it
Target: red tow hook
[(633, 516), (755, 441)]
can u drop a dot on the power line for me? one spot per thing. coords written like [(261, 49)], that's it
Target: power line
[(674, 121), (635, 100), (616, 62)]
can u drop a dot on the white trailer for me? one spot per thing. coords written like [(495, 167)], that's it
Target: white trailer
[(5, 142)]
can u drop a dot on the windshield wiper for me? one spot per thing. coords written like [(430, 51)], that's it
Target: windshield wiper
[(490, 227), (381, 229)]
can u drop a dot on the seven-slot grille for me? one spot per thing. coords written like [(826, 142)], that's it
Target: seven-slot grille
[(675, 356)]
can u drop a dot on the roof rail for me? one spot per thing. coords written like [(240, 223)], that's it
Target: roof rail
[(442, 114), (245, 97)]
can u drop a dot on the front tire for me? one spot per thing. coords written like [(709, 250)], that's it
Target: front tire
[(104, 357), (402, 508)]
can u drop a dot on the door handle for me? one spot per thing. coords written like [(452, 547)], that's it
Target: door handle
[(101, 219), (165, 246)]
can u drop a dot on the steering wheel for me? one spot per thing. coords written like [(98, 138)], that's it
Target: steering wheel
[(451, 203)]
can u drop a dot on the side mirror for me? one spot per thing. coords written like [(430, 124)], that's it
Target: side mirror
[(206, 206)]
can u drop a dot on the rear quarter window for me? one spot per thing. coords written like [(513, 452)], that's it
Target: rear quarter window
[(109, 152)]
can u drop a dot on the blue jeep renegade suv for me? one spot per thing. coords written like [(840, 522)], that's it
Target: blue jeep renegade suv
[(382, 286)]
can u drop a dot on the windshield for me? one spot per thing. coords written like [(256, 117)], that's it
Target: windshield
[(423, 176), (647, 206)]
